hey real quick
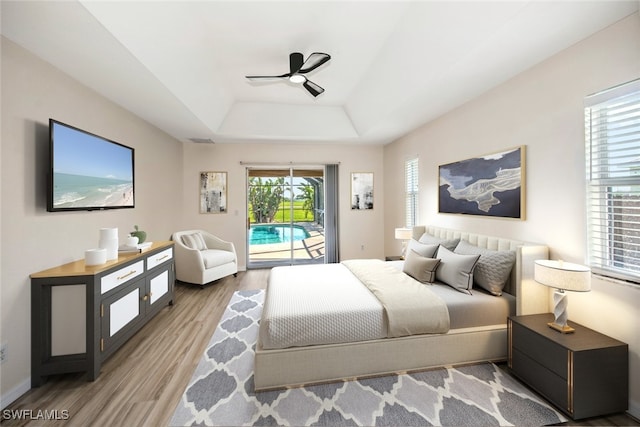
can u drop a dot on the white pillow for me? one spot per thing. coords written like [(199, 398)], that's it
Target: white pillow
[(456, 270), (194, 241), (421, 249)]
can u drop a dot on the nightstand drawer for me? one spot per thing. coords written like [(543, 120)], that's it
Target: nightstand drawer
[(540, 349), (540, 378)]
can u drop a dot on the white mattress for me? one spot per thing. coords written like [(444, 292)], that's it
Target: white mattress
[(326, 304), (318, 304)]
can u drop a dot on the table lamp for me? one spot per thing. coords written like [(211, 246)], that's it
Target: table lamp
[(405, 235), (563, 276)]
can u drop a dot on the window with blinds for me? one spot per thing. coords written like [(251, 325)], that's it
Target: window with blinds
[(612, 133), (411, 192)]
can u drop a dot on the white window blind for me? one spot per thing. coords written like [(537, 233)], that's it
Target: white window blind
[(411, 192), (612, 131)]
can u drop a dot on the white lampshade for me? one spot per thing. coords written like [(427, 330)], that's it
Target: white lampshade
[(562, 275), (404, 233)]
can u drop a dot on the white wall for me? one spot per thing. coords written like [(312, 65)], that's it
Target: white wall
[(356, 228), (542, 109), (33, 239)]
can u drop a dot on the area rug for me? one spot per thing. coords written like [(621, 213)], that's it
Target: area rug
[(220, 393)]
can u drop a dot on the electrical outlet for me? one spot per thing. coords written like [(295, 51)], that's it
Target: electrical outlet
[(362, 247), (3, 352)]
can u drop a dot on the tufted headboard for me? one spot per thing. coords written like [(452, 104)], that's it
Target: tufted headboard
[(531, 297)]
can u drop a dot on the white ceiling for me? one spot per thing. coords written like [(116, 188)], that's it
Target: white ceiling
[(395, 65)]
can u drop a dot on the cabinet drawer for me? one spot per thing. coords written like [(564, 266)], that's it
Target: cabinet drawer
[(541, 379), (540, 349), (121, 276), (157, 259)]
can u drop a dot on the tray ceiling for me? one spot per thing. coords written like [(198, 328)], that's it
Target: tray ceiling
[(395, 65)]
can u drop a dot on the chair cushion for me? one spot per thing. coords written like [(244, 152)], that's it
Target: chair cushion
[(215, 257), (194, 241)]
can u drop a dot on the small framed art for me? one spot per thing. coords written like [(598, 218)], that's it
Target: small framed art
[(362, 190), (213, 192)]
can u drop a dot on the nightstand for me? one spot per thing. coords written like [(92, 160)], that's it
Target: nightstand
[(585, 374)]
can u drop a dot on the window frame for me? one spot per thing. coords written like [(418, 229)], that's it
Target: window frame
[(612, 155)]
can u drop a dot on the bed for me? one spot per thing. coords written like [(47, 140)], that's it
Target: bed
[(343, 329)]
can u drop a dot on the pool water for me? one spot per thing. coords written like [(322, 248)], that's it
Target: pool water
[(266, 234)]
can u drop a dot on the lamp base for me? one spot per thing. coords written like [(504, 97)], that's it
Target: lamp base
[(565, 329)]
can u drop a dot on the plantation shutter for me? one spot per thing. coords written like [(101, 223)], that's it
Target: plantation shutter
[(612, 133), (411, 192)]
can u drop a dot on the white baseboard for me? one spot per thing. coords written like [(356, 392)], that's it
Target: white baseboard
[(12, 395)]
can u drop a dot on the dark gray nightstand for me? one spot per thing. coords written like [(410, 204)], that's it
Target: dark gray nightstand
[(585, 374)]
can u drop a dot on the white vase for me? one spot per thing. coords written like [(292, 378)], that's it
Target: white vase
[(95, 256), (109, 241)]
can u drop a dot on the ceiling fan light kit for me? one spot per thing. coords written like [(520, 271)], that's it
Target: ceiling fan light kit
[(298, 67)]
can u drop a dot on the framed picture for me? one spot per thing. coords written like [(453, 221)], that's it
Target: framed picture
[(361, 190), (491, 185), (213, 192)]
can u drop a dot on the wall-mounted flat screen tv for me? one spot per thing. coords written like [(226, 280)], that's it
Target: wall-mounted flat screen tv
[(88, 172)]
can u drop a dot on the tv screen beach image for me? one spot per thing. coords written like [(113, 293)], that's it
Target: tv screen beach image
[(89, 171)]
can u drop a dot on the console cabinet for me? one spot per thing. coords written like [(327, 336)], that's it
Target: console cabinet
[(585, 373), (119, 297)]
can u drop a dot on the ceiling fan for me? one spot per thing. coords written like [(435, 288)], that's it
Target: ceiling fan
[(298, 67)]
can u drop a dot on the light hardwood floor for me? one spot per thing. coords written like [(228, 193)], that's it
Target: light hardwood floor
[(140, 385)]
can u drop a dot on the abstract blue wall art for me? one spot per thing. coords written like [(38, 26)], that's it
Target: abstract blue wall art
[(491, 185)]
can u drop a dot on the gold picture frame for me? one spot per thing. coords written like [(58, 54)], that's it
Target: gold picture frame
[(213, 192)]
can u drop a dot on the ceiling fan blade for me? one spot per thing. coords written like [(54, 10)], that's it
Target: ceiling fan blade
[(314, 60), (295, 62), (313, 88), (266, 78)]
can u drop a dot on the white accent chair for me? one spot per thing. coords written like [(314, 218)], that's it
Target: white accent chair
[(202, 257)]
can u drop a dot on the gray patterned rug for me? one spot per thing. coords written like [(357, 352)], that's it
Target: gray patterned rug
[(220, 392)]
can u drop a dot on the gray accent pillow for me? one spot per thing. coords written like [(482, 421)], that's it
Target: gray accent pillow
[(493, 268), (456, 270), (447, 243), (423, 250), (421, 268)]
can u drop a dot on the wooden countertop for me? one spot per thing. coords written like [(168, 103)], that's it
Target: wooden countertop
[(78, 268)]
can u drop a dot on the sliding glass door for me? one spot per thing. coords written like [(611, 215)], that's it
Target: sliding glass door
[(285, 216)]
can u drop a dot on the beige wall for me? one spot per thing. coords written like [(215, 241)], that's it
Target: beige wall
[(33, 239), (166, 190), (542, 109), (357, 228)]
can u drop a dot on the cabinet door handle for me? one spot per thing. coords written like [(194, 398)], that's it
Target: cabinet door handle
[(145, 297), (127, 275)]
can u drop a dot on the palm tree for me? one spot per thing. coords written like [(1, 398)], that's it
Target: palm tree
[(265, 198)]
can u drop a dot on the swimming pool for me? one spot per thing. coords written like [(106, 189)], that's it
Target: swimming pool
[(275, 233)]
